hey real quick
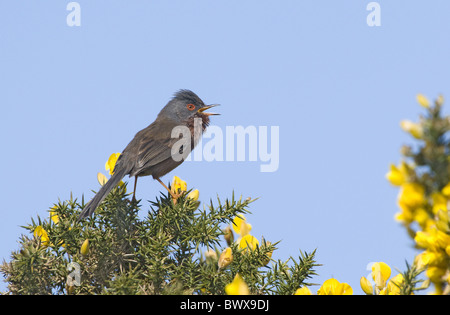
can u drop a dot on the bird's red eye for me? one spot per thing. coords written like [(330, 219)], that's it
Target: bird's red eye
[(190, 106)]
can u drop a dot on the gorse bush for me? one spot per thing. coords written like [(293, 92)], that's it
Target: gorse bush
[(177, 248), (423, 177)]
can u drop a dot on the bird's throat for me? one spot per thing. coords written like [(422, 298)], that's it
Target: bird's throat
[(197, 124), (198, 121)]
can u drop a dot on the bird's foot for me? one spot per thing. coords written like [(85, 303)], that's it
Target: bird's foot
[(175, 196)]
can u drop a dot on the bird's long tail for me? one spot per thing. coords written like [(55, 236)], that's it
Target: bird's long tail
[(102, 193)]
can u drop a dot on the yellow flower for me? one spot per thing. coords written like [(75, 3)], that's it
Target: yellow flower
[(411, 200), (111, 163), (366, 286), (380, 274), (211, 255), (397, 176), (226, 258), (54, 216), (240, 225), (393, 286), (439, 202), (405, 216), (269, 254), (446, 190), (101, 179), (431, 258), (193, 195), (303, 291), (228, 235), (419, 261), (412, 128), (40, 233), (412, 195), (424, 239), (85, 248), (443, 220), (423, 101), (334, 287), (443, 239), (237, 287), (421, 216), (433, 240), (178, 185), (383, 292), (435, 274), (443, 215), (248, 241)]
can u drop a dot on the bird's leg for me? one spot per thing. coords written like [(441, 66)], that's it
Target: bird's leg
[(134, 189), (174, 195)]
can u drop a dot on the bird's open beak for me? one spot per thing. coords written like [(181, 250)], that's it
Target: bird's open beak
[(201, 110)]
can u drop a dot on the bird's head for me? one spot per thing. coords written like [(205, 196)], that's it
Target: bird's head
[(185, 106)]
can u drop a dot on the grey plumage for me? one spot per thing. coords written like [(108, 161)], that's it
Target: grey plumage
[(149, 153)]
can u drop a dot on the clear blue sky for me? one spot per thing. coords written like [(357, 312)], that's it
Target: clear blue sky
[(337, 89)]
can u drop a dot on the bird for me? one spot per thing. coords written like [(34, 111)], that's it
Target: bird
[(150, 152)]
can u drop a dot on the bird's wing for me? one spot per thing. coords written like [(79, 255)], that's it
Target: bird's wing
[(152, 152), (152, 145)]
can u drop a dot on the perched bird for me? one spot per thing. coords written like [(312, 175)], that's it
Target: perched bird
[(150, 152)]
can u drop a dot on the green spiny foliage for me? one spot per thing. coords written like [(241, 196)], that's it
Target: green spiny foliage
[(411, 282), (161, 253)]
